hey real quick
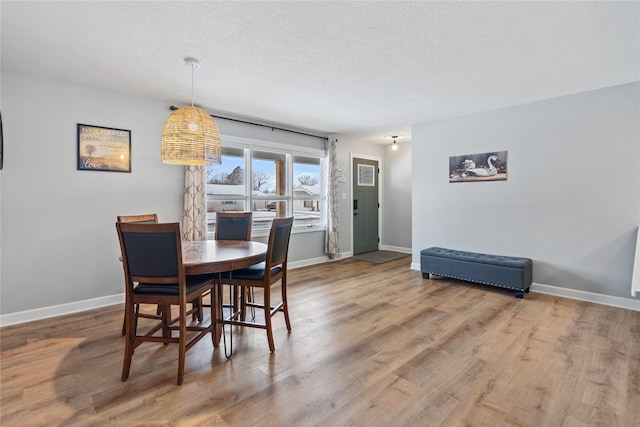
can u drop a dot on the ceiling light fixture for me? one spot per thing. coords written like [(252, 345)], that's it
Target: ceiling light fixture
[(190, 135), (394, 147)]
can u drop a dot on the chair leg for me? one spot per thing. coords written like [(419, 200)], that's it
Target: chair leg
[(242, 291), (235, 300), (182, 344), (267, 318), (165, 310), (126, 367), (199, 313), (216, 314), (128, 346), (124, 321), (285, 304), (247, 297)]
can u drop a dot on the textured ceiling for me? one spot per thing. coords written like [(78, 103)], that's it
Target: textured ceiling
[(362, 68)]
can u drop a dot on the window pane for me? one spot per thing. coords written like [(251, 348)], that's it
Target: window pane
[(215, 205), (307, 191), (269, 174), (221, 205), (306, 171), (265, 210), (307, 213), (228, 177)]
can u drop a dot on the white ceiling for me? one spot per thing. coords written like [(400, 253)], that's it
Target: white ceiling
[(362, 68)]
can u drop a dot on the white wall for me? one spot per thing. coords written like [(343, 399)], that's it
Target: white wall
[(397, 179), (59, 244), (58, 235), (572, 198)]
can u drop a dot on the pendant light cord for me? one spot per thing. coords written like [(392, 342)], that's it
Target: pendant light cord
[(192, 67)]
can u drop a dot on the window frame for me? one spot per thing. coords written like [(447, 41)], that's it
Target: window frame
[(290, 152)]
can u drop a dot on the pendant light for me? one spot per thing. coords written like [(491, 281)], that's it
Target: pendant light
[(190, 135), (394, 147)]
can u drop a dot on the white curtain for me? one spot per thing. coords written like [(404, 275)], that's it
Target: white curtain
[(194, 221), (332, 238)]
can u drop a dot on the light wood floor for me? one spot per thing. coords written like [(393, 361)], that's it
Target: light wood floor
[(371, 345)]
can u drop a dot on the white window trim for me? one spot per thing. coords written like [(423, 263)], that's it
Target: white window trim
[(291, 151)]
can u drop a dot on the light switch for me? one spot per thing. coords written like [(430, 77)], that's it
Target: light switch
[(344, 196)]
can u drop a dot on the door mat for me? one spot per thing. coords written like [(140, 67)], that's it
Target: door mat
[(380, 257)]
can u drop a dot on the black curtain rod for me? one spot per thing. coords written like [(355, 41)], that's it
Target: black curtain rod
[(260, 124)]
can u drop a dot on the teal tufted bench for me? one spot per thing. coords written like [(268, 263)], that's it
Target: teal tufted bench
[(496, 270)]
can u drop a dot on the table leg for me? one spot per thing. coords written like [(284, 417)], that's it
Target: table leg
[(216, 308)]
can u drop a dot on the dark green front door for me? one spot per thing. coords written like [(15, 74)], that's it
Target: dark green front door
[(365, 206)]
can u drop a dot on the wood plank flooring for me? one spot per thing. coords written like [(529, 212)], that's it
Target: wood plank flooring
[(371, 345)]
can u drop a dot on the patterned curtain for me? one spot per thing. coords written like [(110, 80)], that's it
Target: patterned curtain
[(332, 238), (194, 221)]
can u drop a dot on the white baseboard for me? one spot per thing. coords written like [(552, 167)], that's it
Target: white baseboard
[(318, 260), (90, 304), (626, 303), (307, 262), (635, 278), (395, 249), (341, 255), (59, 310)]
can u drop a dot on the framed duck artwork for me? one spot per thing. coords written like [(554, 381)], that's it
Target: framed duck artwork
[(491, 166)]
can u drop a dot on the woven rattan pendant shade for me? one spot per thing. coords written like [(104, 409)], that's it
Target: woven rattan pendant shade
[(190, 137)]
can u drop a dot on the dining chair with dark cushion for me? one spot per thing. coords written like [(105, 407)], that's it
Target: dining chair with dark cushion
[(155, 274), (263, 276), (233, 225), (230, 226), (140, 219)]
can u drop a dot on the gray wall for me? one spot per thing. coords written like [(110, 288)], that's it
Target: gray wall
[(397, 179), (351, 145), (58, 237), (571, 201), (572, 198)]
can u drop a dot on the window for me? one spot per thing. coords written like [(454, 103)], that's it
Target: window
[(283, 182), (307, 191), (226, 184), (268, 182)]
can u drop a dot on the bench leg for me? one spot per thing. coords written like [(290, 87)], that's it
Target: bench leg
[(425, 275), (519, 294)]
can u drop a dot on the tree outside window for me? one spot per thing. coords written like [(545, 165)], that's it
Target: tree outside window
[(281, 184)]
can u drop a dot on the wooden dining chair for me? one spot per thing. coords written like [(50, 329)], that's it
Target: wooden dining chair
[(231, 226), (140, 219), (150, 219), (264, 276), (155, 274)]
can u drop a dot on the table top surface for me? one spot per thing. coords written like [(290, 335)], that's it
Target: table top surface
[(216, 256)]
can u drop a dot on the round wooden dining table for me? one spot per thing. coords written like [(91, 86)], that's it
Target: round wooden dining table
[(219, 256)]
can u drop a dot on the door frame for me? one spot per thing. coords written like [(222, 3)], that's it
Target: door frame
[(351, 178)]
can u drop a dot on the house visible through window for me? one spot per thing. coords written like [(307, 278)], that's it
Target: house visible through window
[(270, 182), (307, 191)]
